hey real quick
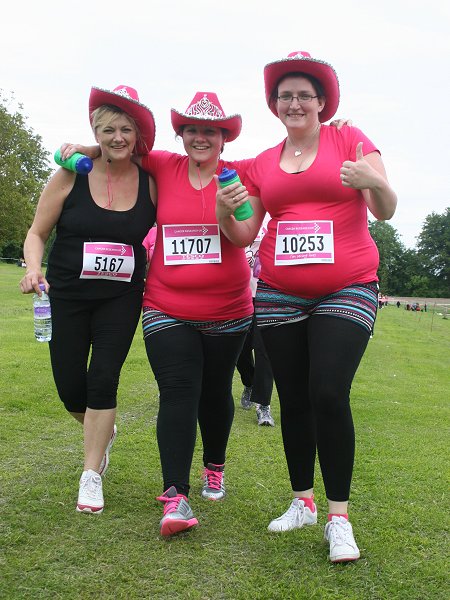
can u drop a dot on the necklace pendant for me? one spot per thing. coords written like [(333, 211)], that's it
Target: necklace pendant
[(297, 153)]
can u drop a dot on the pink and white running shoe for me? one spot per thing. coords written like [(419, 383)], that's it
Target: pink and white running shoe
[(178, 515), (213, 486)]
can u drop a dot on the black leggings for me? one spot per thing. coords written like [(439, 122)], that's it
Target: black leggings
[(256, 372), (194, 372), (314, 362), (104, 328)]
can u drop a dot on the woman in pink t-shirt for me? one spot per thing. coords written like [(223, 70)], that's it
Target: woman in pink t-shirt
[(317, 296), (197, 306)]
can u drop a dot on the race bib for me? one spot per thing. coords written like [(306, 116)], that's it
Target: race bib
[(191, 244), (304, 242), (107, 260)]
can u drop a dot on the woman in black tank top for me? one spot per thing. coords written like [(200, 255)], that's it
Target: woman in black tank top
[(95, 274)]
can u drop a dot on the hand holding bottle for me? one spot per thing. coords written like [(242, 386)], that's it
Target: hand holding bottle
[(31, 281), (42, 315), (243, 209), (79, 163)]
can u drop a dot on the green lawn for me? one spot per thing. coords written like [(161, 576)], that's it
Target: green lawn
[(399, 504)]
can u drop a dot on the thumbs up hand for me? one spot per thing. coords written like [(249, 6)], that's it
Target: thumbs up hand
[(360, 174)]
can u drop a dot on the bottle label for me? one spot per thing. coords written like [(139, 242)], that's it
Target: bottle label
[(42, 312), (191, 244), (107, 260), (304, 242)]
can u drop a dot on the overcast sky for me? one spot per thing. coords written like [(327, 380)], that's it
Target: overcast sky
[(392, 58)]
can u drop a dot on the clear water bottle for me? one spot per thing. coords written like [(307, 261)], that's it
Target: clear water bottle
[(42, 316)]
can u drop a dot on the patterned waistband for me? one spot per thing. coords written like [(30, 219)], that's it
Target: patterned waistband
[(357, 303), (153, 321)]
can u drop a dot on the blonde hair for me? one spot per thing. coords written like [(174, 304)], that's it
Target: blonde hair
[(104, 115)]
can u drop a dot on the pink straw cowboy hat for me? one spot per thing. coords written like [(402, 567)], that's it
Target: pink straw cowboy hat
[(301, 62), (205, 108), (126, 98)]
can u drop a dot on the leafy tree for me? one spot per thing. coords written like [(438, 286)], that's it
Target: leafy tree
[(392, 251), (24, 169), (434, 250)]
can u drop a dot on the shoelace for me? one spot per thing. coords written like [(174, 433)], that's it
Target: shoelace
[(214, 479), (300, 510), (91, 486), (294, 512), (340, 533), (170, 504)]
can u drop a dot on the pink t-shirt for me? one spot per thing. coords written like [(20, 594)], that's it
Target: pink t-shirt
[(316, 194), (214, 291), (149, 243)]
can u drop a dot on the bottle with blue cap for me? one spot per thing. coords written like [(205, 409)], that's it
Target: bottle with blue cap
[(226, 178), (79, 163)]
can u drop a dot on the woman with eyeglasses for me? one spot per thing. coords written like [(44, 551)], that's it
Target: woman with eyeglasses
[(316, 300)]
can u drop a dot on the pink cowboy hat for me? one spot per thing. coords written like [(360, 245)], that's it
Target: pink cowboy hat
[(301, 62), (126, 98), (205, 108)]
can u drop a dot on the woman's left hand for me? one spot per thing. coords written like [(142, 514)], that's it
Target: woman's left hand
[(339, 123), (358, 175)]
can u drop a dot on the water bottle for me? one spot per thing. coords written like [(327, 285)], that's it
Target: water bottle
[(42, 316), (77, 162), (227, 177)]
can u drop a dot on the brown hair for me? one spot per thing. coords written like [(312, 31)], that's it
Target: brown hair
[(318, 87)]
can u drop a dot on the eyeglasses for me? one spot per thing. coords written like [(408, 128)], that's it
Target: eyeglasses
[(302, 99)]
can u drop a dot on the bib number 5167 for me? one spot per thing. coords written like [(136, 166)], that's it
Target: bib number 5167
[(104, 263)]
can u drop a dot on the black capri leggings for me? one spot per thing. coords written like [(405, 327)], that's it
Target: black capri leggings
[(314, 362), (194, 372), (104, 328)]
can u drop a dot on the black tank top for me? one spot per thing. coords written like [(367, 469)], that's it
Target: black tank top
[(82, 220)]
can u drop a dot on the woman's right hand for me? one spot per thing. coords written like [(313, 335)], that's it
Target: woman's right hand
[(31, 280), (67, 149)]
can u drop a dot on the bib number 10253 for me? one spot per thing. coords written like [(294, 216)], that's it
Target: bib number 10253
[(304, 242)]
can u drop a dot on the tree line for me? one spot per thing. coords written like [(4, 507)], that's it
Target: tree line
[(421, 272), (25, 168)]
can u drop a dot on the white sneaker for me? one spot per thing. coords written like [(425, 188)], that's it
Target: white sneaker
[(295, 517), (339, 533), (90, 496), (264, 416), (105, 460)]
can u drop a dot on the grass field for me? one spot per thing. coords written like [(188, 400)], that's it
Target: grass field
[(399, 503)]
